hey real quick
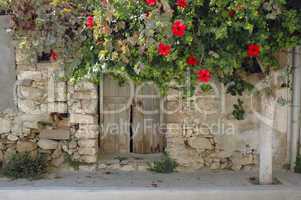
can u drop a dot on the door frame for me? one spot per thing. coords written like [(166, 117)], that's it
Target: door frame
[(102, 117)]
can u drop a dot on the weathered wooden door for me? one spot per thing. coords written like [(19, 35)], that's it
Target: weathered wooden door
[(116, 111), (130, 118), (147, 118)]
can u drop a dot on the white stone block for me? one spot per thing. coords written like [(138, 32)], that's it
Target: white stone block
[(29, 106), (61, 91), (31, 75), (200, 143), (5, 126), (85, 85), (87, 151), (84, 106), (88, 143), (83, 119), (12, 137), (87, 132), (59, 107), (88, 95), (30, 93), (47, 144)]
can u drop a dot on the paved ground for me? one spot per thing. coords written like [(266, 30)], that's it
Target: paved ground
[(105, 185)]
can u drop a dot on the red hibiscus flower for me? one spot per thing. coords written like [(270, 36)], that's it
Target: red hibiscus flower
[(191, 60), (164, 49), (253, 50), (178, 28), (151, 2), (182, 3), (204, 75), (90, 22), (53, 55)]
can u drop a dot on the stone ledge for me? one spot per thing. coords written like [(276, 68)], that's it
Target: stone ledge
[(55, 134)]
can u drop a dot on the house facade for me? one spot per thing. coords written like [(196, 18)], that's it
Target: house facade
[(41, 112)]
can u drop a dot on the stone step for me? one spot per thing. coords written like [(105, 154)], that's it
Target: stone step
[(56, 121), (128, 162), (55, 134)]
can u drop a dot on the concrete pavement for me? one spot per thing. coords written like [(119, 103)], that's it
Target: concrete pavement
[(149, 186)]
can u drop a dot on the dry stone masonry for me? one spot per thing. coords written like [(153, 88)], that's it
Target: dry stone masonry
[(83, 104), (62, 121), (51, 116), (201, 131)]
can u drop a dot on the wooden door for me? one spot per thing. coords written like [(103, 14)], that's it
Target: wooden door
[(147, 137), (115, 111), (130, 118)]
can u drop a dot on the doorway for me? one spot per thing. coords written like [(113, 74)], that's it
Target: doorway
[(131, 118)]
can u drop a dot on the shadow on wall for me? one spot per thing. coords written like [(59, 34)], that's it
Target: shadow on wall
[(7, 66)]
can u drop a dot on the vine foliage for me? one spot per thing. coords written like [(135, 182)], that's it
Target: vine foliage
[(160, 40)]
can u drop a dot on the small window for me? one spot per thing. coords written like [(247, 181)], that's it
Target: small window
[(7, 66)]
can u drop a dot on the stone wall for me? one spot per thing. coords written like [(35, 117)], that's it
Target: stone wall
[(83, 104), (201, 131), (52, 116)]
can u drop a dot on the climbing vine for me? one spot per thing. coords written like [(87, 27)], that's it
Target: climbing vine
[(160, 40)]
